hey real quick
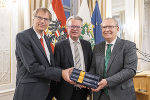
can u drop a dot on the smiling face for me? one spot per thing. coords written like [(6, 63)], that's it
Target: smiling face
[(74, 29), (41, 21), (109, 30)]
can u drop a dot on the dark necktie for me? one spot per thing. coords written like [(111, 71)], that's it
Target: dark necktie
[(108, 54), (42, 43)]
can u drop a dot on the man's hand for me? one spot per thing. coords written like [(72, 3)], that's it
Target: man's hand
[(101, 85), (80, 86), (66, 75)]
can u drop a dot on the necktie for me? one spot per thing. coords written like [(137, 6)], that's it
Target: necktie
[(42, 43), (108, 54), (77, 56)]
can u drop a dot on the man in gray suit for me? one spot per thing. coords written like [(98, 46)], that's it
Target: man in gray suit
[(35, 62), (115, 60)]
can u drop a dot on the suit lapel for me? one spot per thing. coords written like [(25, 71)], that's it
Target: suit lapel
[(69, 52), (84, 53), (102, 56), (116, 49), (37, 42)]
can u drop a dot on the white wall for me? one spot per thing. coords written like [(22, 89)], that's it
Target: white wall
[(7, 95), (8, 27)]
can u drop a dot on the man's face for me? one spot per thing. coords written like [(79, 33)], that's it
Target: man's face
[(109, 30), (41, 21), (74, 29)]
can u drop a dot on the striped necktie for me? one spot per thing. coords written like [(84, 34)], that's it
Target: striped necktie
[(77, 56)]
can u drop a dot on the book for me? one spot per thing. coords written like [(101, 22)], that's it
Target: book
[(84, 78)]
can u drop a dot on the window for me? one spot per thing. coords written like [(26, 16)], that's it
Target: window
[(70, 7), (66, 3)]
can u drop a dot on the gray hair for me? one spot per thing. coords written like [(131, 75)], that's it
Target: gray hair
[(75, 18), (45, 10), (116, 22)]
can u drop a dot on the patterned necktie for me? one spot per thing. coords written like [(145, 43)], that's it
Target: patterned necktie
[(77, 56), (42, 43), (108, 54)]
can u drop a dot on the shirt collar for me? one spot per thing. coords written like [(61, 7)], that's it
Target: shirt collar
[(38, 35), (71, 41), (113, 42)]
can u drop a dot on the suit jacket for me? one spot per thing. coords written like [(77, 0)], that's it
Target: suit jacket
[(121, 69), (64, 59), (34, 71)]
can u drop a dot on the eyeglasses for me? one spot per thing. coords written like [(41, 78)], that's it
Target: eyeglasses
[(41, 18), (75, 27), (109, 27)]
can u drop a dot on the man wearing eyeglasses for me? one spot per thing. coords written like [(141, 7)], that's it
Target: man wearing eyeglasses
[(72, 52), (35, 62), (115, 60)]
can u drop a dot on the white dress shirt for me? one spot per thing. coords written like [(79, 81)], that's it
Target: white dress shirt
[(113, 43), (45, 46), (80, 52)]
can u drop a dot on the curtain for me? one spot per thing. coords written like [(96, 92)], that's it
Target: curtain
[(144, 30), (102, 6), (129, 20), (139, 14), (139, 7), (26, 8), (109, 8), (23, 14)]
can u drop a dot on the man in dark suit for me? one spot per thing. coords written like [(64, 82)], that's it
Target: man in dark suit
[(35, 62), (115, 60), (66, 54)]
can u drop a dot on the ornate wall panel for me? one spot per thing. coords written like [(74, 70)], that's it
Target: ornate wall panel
[(5, 45)]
